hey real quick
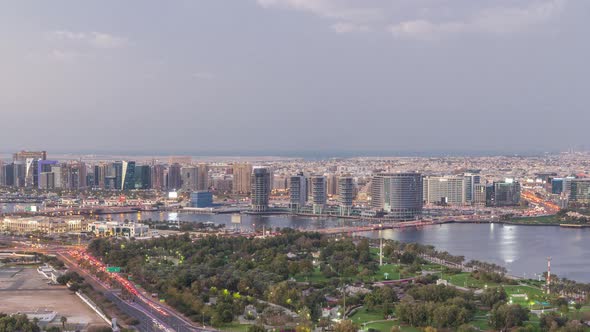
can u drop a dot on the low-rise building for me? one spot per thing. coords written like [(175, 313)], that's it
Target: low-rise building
[(116, 228), (45, 225), (201, 199)]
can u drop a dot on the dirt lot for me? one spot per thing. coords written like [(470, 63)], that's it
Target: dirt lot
[(27, 290)]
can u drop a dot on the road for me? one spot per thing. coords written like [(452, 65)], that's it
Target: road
[(152, 315)]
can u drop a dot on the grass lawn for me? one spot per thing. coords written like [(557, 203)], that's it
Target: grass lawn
[(316, 276), (235, 327), (391, 269), (362, 315), (465, 279), (533, 295), (386, 326), (530, 291), (538, 220), (432, 267), (481, 323)]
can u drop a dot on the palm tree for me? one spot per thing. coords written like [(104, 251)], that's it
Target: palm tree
[(63, 320)]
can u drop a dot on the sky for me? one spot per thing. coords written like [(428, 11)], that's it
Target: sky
[(293, 76)]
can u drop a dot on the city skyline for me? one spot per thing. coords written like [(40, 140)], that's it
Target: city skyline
[(288, 76)]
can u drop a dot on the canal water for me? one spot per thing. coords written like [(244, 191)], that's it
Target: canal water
[(523, 250)]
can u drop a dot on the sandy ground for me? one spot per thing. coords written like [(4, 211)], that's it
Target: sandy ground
[(27, 290)]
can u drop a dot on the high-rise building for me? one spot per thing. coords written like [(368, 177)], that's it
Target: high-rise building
[(297, 192), (479, 194), (331, 184), (346, 194), (203, 174), (260, 186), (101, 171), (503, 193), (81, 171), (9, 175), (143, 177), (57, 176), (44, 166), (398, 194), (444, 190), (557, 186), (242, 182), (19, 173), (174, 177), (128, 175), (580, 191), (222, 184), (31, 170), (158, 177), (2, 174), (118, 174), (47, 180), (318, 193), (190, 178), (471, 179)]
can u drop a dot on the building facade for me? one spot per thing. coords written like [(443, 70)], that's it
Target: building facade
[(398, 194), (260, 187), (444, 190), (190, 178), (201, 199), (297, 192), (242, 178), (345, 194), (580, 191), (319, 195), (42, 225)]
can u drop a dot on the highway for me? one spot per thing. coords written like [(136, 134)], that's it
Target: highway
[(152, 315)]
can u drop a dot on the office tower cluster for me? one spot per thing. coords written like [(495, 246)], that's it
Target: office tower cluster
[(309, 193), (572, 189), (32, 169)]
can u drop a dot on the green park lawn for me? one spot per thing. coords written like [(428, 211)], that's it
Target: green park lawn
[(235, 327), (316, 276), (465, 279), (392, 270), (362, 316), (538, 220)]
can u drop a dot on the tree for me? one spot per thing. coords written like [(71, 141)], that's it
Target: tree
[(466, 328), (491, 296), (63, 321), (256, 328), (346, 325), (506, 316), (578, 306)]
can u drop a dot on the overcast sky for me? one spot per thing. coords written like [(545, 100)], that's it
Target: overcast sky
[(263, 76)]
